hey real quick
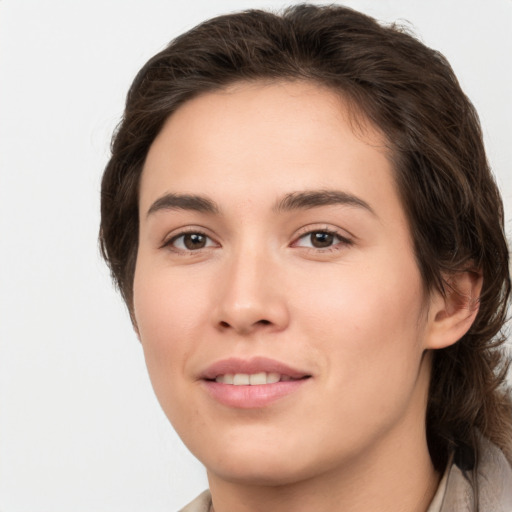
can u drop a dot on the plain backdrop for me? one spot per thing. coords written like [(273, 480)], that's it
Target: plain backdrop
[(80, 429)]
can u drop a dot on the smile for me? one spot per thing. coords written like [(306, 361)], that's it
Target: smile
[(254, 379), (252, 384)]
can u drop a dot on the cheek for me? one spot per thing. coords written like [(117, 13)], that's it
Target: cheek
[(367, 319), (168, 312), (366, 328), (168, 305)]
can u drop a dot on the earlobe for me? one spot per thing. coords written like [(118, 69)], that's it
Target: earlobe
[(452, 314)]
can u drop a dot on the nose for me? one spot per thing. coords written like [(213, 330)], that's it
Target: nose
[(250, 297)]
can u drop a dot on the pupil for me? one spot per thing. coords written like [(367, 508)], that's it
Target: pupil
[(322, 239), (194, 241)]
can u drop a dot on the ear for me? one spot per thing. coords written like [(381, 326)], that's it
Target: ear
[(452, 313)]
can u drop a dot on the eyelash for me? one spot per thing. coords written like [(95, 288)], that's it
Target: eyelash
[(171, 241), (342, 241)]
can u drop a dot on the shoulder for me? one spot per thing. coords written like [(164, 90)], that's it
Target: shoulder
[(201, 504), (494, 478), (489, 484)]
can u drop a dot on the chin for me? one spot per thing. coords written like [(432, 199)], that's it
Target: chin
[(260, 463), (265, 472)]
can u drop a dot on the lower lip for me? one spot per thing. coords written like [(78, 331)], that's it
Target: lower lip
[(252, 397)]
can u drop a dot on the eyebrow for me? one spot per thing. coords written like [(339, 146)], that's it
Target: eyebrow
[(184, 202), (315, 198), (290, 202)]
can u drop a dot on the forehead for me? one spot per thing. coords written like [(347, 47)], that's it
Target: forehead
[(273, 110), (253, 131)]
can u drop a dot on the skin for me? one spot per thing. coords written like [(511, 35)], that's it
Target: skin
[(353, 314)]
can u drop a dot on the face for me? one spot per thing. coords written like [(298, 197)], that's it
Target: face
[(276, 294)]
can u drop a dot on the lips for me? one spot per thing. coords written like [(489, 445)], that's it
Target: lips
[(253, 383), (252, 366)]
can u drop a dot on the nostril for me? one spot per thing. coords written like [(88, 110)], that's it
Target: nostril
[(226, 325)]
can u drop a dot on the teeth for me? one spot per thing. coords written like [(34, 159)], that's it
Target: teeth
[(254, 379), (273, 377), (258, 378), (241, 379)]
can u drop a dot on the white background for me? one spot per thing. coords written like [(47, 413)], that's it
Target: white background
[(80, 429)]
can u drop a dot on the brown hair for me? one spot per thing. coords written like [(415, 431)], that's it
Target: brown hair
[(410, 92)]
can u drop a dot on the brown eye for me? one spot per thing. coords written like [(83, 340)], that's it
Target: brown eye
[(191, 242), (321, 239), (194, 241)]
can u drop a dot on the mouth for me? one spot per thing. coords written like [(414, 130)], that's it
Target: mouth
[(255, 379), (251, 384)]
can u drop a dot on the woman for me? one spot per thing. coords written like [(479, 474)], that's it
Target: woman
[(300, 217)]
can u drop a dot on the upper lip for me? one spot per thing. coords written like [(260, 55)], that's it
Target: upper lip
[(251, 366)]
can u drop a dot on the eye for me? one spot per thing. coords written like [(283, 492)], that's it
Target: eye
[(191, 241), (321, 239)]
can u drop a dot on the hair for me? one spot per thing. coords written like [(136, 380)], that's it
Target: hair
[(411, 94)]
